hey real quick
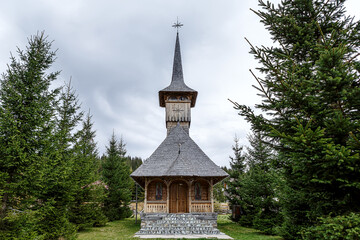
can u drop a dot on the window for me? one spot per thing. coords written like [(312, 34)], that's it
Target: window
[(172, 98), (158, 194), (197, 191)]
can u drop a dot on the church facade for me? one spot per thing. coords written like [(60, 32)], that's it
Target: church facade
[(178, 177)]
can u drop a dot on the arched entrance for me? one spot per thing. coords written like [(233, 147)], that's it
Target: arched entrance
[(179, 197)]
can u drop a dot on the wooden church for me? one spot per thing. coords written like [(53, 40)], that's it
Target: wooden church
[(178, 177)]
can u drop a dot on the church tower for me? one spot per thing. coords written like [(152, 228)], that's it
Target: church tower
[(177, 98), (178, 178)]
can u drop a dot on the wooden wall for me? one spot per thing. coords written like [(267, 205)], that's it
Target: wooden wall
[(152, 191), (204, 191), (178, 111)]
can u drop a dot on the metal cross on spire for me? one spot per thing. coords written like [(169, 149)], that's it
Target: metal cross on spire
[(177, 25)]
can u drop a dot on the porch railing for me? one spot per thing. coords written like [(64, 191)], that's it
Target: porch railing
[(201, 206), (158, 207)]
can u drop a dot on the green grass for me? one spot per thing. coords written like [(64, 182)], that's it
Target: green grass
[(125, 230), (235, 231)]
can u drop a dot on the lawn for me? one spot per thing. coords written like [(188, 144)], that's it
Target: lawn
[(125, 229)]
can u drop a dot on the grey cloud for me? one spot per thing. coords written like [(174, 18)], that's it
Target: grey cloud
[(119, 55)]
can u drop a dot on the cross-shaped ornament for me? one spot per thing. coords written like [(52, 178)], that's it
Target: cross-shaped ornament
[(177, 25)]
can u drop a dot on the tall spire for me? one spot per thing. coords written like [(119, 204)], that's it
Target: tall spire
[(177, 85), (177, 75)]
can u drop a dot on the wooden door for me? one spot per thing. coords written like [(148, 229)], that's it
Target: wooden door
[(178, 197), (173, 198)]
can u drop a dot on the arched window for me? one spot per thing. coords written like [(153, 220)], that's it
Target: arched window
[(197, 191), (172, 98), (158, 194)]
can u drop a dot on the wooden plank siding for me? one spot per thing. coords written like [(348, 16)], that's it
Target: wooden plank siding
[(178, 196), (151, 196), (204, 191)]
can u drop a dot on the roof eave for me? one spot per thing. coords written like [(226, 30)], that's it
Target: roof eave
[(162, 96)]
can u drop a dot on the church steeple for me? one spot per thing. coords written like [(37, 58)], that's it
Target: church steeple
[(177, 75), (177, 98)]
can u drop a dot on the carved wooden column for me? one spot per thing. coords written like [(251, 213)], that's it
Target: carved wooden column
[(145, 197), (167, 196), (189, 184), (212, 195)]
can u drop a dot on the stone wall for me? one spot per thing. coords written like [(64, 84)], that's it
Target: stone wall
[(186, 223)]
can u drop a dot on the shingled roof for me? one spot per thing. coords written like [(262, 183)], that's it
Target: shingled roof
[(177, 82), (178, 155)]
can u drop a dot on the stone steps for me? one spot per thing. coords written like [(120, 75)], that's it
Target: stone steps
[(184, 224)]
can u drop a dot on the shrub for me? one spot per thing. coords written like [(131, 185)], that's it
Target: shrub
[(60, 226), (86, 210), (266, 222), (20, 225), (345, 227)]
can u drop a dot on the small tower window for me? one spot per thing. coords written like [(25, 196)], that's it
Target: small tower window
[(172, 98), (197, 191), (183, 98), (158, 194)]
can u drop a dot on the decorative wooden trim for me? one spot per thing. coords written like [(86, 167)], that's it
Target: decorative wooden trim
[(201, 201), (201, 207), (155, 202), (189, 182), (155, 179), (168, 196), (156, 208), (212, 195), (145, 197)]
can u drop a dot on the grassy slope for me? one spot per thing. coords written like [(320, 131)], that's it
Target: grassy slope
[(125, 229)]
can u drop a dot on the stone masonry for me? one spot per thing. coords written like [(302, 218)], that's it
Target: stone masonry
[(178, 224)]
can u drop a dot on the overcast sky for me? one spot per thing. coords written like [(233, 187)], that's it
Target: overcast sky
[(119, 54)]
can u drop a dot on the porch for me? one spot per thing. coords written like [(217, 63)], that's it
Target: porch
[(185, 195)]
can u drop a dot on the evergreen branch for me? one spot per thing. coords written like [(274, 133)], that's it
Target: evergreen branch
[(351, 59), (268, 62), (321, 32), (320, 10), (257, 13), (354, 137), (237, 106), (262, 88)]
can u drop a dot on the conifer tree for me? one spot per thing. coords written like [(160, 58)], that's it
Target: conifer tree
[(86, 209), (259, 186), (134, 163), (237, 162), (60, 186), (220, 188), (259, 153), (311, 93), (236, 172), (26, 125), (116, 175)]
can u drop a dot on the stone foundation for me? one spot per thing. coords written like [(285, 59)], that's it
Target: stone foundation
[(178, 224)]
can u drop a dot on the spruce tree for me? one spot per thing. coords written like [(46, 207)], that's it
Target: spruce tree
[(60, 187), (86, 209), (116, 176), (134, 163), (26, 126), (220, 189), (237, 162), (260, 185), (236, 172), (259, 153), (311, 94)]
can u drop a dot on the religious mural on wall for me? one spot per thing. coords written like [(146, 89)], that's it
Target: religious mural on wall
[(197, 191), (158, 195)]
